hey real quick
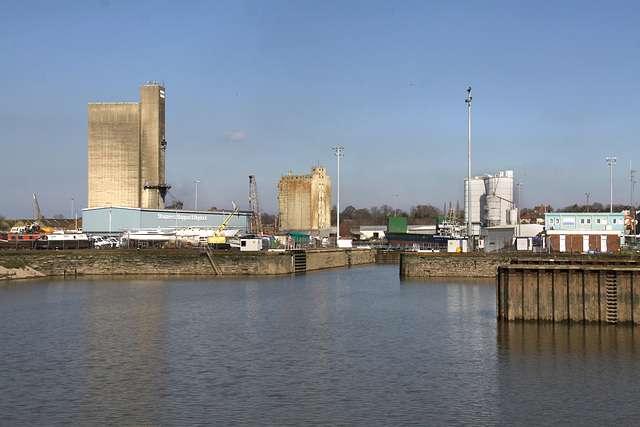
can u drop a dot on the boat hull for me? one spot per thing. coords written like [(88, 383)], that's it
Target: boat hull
[(423, 240), (63, 241), (18, 240)]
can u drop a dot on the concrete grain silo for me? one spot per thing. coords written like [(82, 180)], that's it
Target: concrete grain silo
[(305, 200), (127, 145)]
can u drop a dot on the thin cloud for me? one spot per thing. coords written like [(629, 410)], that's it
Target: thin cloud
[(235, 136)]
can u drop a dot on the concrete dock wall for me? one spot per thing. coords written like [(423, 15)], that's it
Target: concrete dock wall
[(576, 293), (419, 264), (180, 262)]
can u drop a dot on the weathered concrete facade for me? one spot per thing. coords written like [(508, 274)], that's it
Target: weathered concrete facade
[(305, 200), (127, 144)]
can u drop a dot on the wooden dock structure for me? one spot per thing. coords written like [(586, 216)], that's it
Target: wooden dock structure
[(605, 291)]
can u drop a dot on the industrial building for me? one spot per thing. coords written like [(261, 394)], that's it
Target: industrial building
[(116, 220), (127, 152), (585, 231), (492, 201), (126, 180), (305, 200)]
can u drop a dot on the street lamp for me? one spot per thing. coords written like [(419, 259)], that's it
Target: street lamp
[(468, 214), (611, 161), (196, 206), (338, 153)]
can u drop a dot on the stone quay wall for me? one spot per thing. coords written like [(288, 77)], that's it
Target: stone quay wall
[(419, 264), (107, 262), (267, 263), (172, 262), (426, 264), (317, 260)]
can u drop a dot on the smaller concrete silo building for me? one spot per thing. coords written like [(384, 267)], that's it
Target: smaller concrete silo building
[(305, 200)]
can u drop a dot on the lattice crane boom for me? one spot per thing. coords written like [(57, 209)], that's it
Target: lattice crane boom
[(254, 206), (36, 208)]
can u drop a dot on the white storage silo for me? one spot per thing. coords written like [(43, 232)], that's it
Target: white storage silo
[(513, 216)]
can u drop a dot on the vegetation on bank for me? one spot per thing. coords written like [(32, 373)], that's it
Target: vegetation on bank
[(11, 262)]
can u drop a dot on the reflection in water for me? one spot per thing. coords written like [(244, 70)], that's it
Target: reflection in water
[(123, 343), (354, 346), (581, 373)]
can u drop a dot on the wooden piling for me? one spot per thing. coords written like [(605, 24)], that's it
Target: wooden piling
[(589, 292)]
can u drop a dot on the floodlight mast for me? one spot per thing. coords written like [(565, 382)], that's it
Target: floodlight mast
[(338, 153), (611, 161), (468, 214)]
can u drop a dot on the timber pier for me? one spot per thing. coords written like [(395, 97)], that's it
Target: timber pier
[(600, 290)]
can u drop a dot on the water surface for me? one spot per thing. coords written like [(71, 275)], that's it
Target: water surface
[(342, 347)]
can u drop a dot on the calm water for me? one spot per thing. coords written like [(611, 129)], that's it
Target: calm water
[(344, 347)]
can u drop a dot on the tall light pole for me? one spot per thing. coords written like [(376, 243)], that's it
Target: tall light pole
[(395, 204), (632, 201), (72, 208), (519, 185), (468, 214), (338, 153), (196, 205), (632, 171), (611, 161), (587, 194)]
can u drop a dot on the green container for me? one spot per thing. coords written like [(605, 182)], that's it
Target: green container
[(397, 224)]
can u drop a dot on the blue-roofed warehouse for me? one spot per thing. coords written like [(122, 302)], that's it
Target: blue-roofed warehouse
[(117, 219)]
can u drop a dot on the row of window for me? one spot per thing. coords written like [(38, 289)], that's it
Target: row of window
[(583, 221)]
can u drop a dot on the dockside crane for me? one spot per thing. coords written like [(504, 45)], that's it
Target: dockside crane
[(36, 208), (217, 237), (254, 206)]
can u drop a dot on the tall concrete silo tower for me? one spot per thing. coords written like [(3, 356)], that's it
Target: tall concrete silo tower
[(127, 151)]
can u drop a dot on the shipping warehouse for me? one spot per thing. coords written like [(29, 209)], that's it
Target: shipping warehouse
[(118, 219)]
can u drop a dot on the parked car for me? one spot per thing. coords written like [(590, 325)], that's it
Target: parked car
[(115, 243), (101, 242)]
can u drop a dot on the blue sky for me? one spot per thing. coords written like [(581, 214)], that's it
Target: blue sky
[(266, 87)]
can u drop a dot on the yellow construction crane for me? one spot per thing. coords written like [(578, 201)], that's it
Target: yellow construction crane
[(254, 206), (216, 237)]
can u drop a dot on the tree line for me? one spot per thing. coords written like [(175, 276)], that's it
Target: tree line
[(378, 215)]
